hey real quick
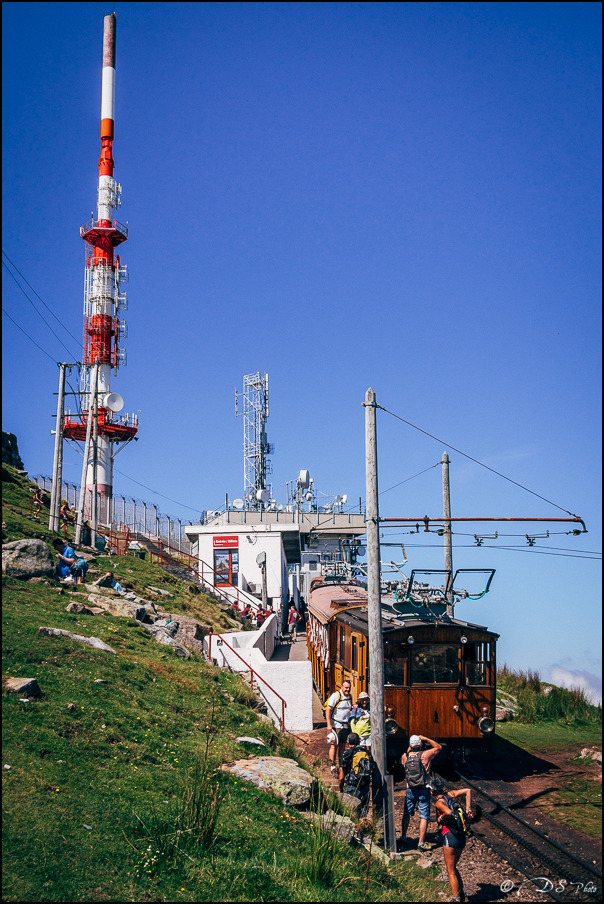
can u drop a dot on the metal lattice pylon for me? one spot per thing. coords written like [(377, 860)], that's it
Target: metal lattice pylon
[(253, 402)]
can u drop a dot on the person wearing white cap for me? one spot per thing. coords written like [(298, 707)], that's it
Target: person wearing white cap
[(417, 763)]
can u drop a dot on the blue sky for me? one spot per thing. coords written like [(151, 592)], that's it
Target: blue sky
[(397, 195)]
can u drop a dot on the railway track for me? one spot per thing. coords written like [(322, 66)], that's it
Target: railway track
[(551, 869)]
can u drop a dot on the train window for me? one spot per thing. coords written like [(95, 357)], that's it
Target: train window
[(395, 657), (478, 657), (354, 664), (342, 643), (435, 664)]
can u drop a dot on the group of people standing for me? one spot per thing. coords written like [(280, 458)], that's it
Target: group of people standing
[(349, 739)]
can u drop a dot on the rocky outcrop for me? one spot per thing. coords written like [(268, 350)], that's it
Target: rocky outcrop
[(10, 451), (27, 559), (124, 608), (282, 776), (95, 642), (28, 687)]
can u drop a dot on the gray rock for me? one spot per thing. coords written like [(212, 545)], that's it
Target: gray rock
[(255, 741), (95, 642), (278, 774), (159, 590), (10, 452), (591, 753), (27, 686), (504, 714), (167, 627), (341, 827), (26, 559)]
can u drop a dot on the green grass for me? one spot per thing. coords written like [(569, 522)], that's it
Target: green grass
[(552, 736), (114, 790), (539, 701), (578, 805)]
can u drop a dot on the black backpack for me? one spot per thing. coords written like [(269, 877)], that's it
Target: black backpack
[(359, 775), (415, 771), (458, 821)]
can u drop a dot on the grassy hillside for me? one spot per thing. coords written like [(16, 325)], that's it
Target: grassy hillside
[(538, 701), (111, 782)]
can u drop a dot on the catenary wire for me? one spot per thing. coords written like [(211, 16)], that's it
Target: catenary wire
[(43, 350), (475, 460), (50, 311), (151, 490), (36, 310)]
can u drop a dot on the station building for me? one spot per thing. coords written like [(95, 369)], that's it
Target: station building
[(268, 558)]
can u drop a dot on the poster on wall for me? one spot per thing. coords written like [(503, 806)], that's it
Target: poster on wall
[(226, 561)]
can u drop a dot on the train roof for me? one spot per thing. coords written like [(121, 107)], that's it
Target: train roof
[(347, 601)]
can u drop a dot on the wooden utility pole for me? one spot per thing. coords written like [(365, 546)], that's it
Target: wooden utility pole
[(57, 465), (82, 499), (447, 534), (374, 612)]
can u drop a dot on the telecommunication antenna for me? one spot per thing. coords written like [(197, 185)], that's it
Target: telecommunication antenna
[(256, 448)]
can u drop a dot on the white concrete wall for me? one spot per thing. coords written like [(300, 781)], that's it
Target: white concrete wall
[(251, 544), (290, 680)]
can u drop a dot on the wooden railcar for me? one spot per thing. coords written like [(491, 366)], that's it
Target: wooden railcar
[(439, 672)]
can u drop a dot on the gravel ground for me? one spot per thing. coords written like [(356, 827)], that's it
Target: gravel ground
[(486, 876)]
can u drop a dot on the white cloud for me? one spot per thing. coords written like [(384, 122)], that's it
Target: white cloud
[(573, 678)]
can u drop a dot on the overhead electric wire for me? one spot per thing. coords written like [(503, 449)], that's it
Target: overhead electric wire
[(593, 558), (475, 460), (50, 311), (151, 490), (4, 311), (381, 493), (36, 310)]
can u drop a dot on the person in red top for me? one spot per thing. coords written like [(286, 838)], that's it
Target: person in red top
[(292, 622)]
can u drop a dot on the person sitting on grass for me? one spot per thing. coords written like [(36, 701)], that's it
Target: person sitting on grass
[(108, 580), (70, 568)]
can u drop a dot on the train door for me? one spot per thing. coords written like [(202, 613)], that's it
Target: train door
[(357, 650)]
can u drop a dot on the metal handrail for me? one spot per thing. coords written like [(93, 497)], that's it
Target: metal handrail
[(192, 563), (252, 672)]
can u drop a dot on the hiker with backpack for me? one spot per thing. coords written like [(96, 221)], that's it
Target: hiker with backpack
[(356, 771), (453, 820), (417, 763), (337, 714)]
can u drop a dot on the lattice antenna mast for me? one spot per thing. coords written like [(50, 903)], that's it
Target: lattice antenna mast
[(253, 402)]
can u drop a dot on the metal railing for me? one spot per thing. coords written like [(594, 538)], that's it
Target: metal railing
[(220, 641), (198, 569)]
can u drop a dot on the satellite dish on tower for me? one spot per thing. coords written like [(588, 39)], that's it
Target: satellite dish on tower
[(238, 503), (113, 401), (262, 495), (304, 478)]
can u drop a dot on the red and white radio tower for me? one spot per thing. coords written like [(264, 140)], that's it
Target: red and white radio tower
[(104, 300)]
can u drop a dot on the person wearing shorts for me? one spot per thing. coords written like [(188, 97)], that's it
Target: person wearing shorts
[(454, 841), (337, 713), (419, 797)]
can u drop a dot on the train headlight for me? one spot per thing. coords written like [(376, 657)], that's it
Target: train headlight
[(486, 725), (391, 726)]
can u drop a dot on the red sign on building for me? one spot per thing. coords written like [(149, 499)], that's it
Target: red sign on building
[(226, 542)]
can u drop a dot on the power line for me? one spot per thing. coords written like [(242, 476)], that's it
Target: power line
[(407, 479), (38, 296), (475, 460), (157, 493), (36, 310), (595, 557), (28, 336)]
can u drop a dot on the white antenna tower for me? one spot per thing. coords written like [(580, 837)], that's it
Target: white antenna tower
[(256, 448)]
